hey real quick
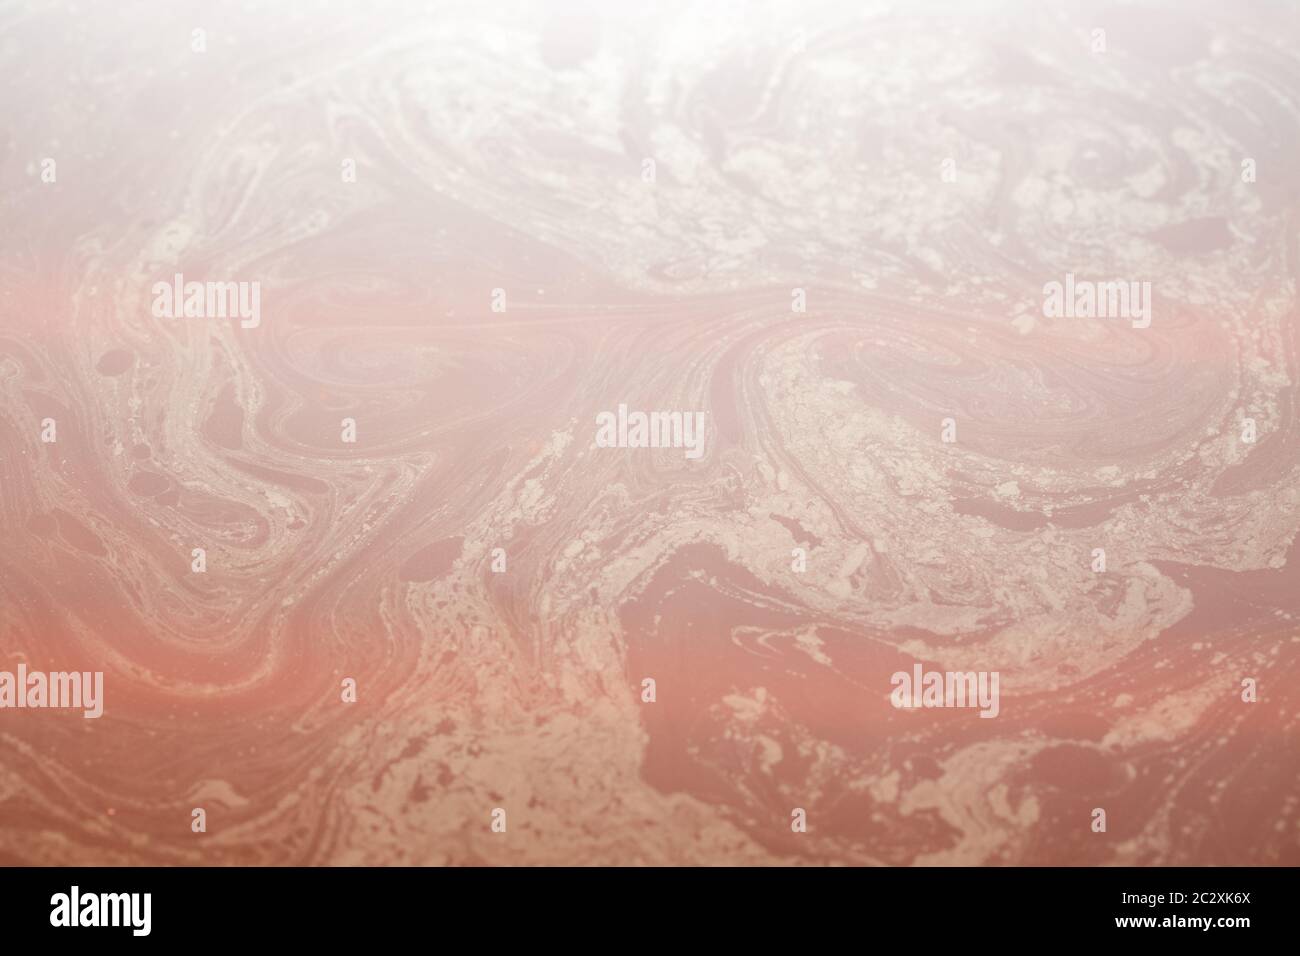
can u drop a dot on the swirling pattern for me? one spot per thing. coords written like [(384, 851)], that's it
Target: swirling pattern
[(475, 227)]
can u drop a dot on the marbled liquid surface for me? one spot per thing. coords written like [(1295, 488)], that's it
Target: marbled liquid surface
[(794, 146)]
